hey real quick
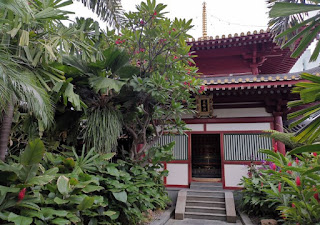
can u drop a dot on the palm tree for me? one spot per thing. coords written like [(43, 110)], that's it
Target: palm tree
[(295, 27), (20, 86), (32, 36)]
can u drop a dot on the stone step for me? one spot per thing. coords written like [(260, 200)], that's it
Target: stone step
[(211, 188), (203, 209), (205, 203), (205, 198), (206, 193), (205, 216), (216, 184)]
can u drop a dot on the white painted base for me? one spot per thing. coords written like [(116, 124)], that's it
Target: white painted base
[(233, 174), (178, 174)]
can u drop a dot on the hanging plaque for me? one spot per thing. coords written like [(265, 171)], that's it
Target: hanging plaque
[(204, 106)]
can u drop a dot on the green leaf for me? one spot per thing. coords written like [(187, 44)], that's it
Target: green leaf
[(60, 221), (50, 212), (280, 9), (63, 185), (113, 171), (34, 153), (92, 188), (109, 213), (19, 220), (120, 196), (86, 203), (60, 201), (29, 205), (103, 84), (41, 180), (306, 148)]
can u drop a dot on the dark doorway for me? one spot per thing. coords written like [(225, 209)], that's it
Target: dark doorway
[(206, 158)]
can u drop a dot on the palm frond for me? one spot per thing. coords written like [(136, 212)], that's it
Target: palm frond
[(107, 10), (24, 85)]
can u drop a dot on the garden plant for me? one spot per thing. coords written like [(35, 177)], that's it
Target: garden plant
[(77, 100)]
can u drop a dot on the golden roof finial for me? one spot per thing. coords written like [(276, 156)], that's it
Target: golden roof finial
[(204, 20)]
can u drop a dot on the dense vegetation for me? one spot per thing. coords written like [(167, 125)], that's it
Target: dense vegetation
[(74, 97)]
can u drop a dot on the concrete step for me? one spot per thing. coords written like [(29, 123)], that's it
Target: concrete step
[(205, 203), (203, 209), (205, 198), (206, 193), (216, 184), (211, 188), (206, 216)]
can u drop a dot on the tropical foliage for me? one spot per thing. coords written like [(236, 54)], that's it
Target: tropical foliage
[(291, 182), (294, 25), (70, 94), (78, 189)]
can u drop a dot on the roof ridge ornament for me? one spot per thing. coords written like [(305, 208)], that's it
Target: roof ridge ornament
[(204, 21)]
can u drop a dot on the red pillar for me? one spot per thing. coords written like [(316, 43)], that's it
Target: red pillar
[(278, 126)]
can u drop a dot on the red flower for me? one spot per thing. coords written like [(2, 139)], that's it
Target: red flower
[(276, 148), (185, 83), (279, 187), (289, 172), (155, 13), (297, 160), (261, 184), (298, 181), (293, 205), (173, 29), (316, 196), (142, 49), (21, 194), (289, 163), (141, 22), (189, 54), (117, 42), (202, 88), (315, 154), (190, 63), (175, 57), (273, 166)]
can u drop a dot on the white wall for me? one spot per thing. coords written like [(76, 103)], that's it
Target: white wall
[(178, 174), (195, 127), (237, 126), (233, 174), (241, 112)]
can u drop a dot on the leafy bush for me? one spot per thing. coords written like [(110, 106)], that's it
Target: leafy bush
[(73, 189), (291, 183), (254, 200)]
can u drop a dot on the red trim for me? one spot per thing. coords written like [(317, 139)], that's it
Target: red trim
[(230, 120), (222, 160), (189, 159), (179, 161), (233, 188), (178, 186), (205, 127)]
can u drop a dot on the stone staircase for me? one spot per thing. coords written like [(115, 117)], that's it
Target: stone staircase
[(206, 201)]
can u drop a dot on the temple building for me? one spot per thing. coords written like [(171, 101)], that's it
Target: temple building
[(247, 88)]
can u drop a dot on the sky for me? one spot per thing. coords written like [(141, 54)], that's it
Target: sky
[(223, 17)]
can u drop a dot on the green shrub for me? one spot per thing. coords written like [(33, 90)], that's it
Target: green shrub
[(254, 200), (85, 189), (291, 183)]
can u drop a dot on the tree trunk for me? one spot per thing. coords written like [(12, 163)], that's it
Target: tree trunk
[(5, 130)]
